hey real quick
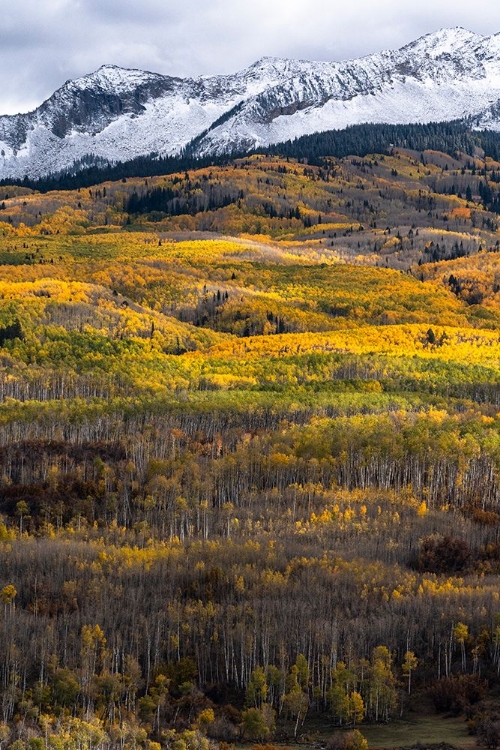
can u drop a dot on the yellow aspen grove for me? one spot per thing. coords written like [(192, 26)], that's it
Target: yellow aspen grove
[(250, 448)]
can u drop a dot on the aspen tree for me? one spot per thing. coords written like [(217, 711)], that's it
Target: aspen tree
[(410, 663)]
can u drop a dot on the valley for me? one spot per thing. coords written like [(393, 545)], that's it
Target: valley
[(249, 451)]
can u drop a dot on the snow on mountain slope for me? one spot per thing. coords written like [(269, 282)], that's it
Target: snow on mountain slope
[(117, 114), (443, 76)]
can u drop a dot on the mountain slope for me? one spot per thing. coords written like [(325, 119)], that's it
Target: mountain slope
[(117, 114)]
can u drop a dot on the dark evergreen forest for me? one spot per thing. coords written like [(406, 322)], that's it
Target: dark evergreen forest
[(358, 140)]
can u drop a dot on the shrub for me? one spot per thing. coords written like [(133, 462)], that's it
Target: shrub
[(352, 740), (455, 693), (443, 554)]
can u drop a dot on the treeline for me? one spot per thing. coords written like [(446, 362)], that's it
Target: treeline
[(360, 140), (142, 166), (188, 199), (357, 140)]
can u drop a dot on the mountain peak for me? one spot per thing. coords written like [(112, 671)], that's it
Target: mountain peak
[(275, 64), (110, 66), (116, 113), (113, 78), (267, 60), (445, 41)]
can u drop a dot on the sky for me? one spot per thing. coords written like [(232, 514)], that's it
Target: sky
[(43, 43)]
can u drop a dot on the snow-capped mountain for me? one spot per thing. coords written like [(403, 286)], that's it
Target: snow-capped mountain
[(116, 114)]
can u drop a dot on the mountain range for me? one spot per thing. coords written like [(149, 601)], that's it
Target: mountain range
[(116, 114)]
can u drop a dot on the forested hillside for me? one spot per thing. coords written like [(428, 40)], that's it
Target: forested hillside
[(249, 452), (451, 138)]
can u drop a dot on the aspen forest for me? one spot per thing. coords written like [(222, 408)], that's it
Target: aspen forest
[(250, 454)]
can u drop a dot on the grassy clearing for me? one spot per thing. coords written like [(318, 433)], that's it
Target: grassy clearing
[(424, 727), (427, 729)]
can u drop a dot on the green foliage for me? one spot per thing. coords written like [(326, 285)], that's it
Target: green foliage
[(256, 692), (258, 723)]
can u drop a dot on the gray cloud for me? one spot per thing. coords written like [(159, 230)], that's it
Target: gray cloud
[(45, 42)]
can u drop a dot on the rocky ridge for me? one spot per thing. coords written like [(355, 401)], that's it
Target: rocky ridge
[(115, 114)]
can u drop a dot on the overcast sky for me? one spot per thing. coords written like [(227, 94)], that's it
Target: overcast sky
[(45, 42)]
